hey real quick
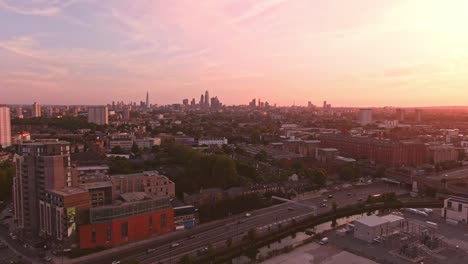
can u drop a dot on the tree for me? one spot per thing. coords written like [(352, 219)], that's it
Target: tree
[(297, 166), (381, 172), (7, 171), (117, 150), (261, 156), (317, 177), (135, 149), (229, 242), (186, 259), (251, 235), (334, 207), (348, 173)]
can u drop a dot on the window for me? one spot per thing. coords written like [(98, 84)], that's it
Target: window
[(109, 232), (163, 220), (459, 207), (124, 229), (449, 204), (93, 235), (150, 223)]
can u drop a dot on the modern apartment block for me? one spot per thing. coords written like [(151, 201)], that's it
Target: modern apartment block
[(51, 202), (5, 126), (41, 165), (98, 115)]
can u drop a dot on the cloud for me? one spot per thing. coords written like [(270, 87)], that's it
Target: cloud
[(31, 10), (257, 9)]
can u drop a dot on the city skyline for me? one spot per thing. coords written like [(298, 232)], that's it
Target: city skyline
[(399, 53)]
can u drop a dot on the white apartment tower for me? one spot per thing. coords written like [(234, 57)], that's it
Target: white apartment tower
[(36, 110), (365, 116), (98, 115), (5, 126)]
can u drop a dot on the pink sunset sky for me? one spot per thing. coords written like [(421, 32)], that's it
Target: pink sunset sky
[(355, 53)]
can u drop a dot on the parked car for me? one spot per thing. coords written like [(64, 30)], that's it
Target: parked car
[(150, 250)]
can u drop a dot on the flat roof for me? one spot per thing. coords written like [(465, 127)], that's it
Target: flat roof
[(145, 173), (96, 185), (372, 221), (68, 191), (134, 196), (101, 167), (393, 218)]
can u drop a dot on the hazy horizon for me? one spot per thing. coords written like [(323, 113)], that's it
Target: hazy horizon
[(359, 53)]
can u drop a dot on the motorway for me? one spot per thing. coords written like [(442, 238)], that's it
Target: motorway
[(263, 220), (459, 173)]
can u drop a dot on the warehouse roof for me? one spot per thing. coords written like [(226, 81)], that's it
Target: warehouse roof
[(372, 221)]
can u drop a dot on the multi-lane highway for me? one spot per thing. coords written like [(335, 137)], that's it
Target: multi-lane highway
[(198, 240)]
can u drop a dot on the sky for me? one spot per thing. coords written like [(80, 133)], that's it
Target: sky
[(350, 53)]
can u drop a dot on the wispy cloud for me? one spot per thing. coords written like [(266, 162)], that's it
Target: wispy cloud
[(256, 9)]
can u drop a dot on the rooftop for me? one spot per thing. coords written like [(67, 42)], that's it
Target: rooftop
[(68, 191), (372, 221), (96, 185), (134, 196), (140, 174), (393, 218)]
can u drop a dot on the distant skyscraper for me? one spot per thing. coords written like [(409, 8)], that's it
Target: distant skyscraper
[(36, 110), (400, 114), (185, 102), (418, 113), (202, 100), (5, 126), (147, 100), (126, 113), (98, 115), (19, 112), (207, 98), (365, 116), (324, 105), (193, 103)]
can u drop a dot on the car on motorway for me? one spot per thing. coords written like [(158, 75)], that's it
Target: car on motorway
[(47, 259), (150, 250), (174, 245), (427, 210), (116, 262), (330, 196), (290, 209), (322, 205), (248, 214), (323, 241), (325, 200), (192, 237), (202, 251)]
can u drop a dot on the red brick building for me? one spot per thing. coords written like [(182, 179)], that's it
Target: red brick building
[(131, 221), (383, 151)]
